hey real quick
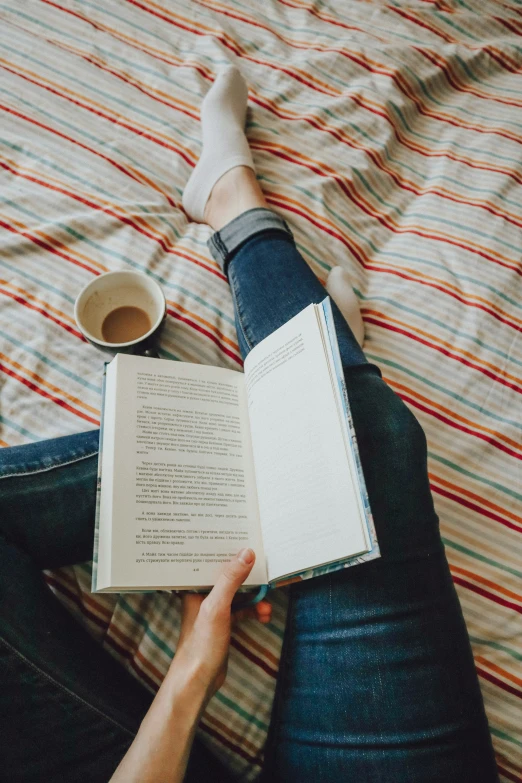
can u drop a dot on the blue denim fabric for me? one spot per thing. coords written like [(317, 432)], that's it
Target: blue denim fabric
[(377, 681), (225, 243), (68, 711)]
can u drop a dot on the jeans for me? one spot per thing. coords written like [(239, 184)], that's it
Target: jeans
[(377, 681)]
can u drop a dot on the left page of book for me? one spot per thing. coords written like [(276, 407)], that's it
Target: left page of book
[(178, 496)]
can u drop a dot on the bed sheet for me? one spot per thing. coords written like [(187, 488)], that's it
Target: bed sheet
[(389, 137)]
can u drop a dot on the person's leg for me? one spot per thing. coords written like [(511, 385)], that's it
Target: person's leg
[(68, 710), (377, 678)]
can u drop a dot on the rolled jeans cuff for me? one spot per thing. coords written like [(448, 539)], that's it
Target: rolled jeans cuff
[(224, 243)]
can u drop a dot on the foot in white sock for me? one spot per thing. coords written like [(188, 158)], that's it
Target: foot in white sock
[(340, 289), (225, 145)]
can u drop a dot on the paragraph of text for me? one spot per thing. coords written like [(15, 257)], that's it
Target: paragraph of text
[(179, 388)]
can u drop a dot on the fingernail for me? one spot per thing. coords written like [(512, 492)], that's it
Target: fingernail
[(246, 556)]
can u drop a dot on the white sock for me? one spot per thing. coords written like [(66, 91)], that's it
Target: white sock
[(340, 289), (225, 145)]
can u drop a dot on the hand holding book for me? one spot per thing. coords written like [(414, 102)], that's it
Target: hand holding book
[(197, 671)]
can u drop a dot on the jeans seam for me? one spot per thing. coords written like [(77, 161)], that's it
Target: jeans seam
[(221, 246), (220, 250), (49, 467), (239, 308), (63, 687)]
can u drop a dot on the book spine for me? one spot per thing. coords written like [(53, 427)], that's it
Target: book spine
[(98, 490)]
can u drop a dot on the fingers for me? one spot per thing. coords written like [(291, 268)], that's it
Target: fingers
[(231, 579), (264, 611), (261, 612)]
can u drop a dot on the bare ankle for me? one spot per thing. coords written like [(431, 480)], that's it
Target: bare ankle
[(234, 193)]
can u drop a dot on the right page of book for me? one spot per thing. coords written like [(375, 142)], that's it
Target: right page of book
[(309, 498)]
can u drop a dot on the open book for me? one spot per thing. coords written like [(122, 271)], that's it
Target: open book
[(197, 462)]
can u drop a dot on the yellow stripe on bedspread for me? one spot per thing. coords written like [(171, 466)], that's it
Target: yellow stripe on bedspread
[(390, 138)]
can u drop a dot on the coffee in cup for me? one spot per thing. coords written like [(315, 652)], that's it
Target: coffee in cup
[(121, 312), (125, 323)]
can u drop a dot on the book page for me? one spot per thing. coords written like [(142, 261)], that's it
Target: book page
[(308, 500), (184, 495)]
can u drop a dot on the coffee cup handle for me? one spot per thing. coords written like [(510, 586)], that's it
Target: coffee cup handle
[(149, 350), (148, 347)]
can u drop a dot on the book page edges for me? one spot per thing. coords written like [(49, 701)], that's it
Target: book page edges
[(355, 460), (175, 588), (102, 555)]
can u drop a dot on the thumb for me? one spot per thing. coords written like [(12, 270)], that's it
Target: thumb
[(231, 579)]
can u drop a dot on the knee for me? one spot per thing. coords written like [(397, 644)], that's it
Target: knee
[(385, 425), (393, 452), (400, 435), (391, 441)]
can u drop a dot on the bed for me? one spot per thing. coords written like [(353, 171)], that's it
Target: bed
[(389, 136)]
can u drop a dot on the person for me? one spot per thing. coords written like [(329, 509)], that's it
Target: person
[(376, 681)]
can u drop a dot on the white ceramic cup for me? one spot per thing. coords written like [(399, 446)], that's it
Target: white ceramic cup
[(119, 289)]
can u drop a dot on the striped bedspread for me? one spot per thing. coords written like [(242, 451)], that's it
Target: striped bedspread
[(389, 135)]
